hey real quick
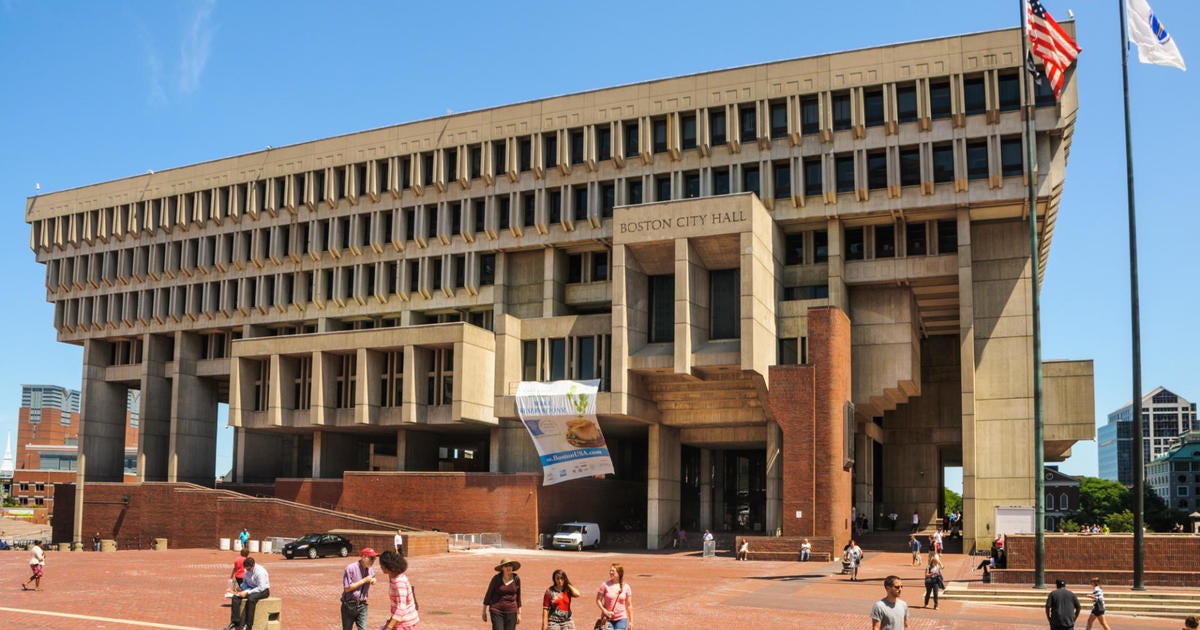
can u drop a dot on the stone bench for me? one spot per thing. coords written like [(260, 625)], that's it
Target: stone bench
[(773, 555), (267, 613)]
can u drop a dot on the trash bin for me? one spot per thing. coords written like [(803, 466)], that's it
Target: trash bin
[(265, 546), (710, 548), (224, 544), (253, 546), (160, 544), (237, 544)]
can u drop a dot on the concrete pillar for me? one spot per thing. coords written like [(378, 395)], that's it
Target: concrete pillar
[(261, 457), (102, 416), (554, 279), (401, 449), (864, 476), (335, 453), (706, 514), (839, 295), (662, 484), (512, 450), (193, 417), (318, 438), (154, 414), (368, 394), (774, 478), (687, 278)]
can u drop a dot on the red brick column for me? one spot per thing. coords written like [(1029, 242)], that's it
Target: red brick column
[(807, 402)]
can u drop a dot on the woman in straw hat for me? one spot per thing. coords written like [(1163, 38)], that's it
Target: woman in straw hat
[(502, 602)]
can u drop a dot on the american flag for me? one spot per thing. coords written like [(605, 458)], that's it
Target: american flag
[(1050, 43)]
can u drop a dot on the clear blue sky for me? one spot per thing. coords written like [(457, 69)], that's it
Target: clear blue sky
[(99, 91)]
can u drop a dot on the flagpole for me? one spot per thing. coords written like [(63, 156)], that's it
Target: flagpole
[(1139, 460), (1039, 454)]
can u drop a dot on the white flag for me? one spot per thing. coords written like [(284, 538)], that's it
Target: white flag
[(1153, 41)]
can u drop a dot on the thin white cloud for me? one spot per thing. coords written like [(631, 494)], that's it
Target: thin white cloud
[(158, 95), (196, 46)]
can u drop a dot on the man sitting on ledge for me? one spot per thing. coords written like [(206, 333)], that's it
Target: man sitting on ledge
[(256, 585)]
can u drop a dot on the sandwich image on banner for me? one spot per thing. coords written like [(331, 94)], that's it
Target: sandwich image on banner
[(1154, 43), (561, 419)]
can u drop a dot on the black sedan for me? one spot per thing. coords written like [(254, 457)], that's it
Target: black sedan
[(318, 546)]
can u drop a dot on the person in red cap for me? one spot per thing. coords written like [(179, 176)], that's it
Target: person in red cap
[(356, 583)]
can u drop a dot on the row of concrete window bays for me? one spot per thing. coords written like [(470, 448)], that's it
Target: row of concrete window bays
[(993, 152), (451, 276)]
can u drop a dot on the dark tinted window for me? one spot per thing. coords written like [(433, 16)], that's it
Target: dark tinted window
[(631, 138), (603, 143), (947, 230), (778, 119), (855, 245), (716, 127), (720, 181), (873, 107), (845, 173), (974, 98), (662, 308), (1011, 157), (783, 179), (748, 118), (820, 246), (658, 129), (910, 166), (876, 170), (633, 192), (691, 184), (885, 241), (939, 99), (906, 103), (662, 188), (577, 146), (943, 163), (810, 115), (1010, 91), (812, 176), (793, 249), (977, 160), (841, 110), (750, 180), (914, 239), (687, 131)]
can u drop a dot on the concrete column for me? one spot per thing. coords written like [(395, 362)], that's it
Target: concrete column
[(774, 478), (102, 416), (193, 417), (839, 295), (334, 454), (154, 414), (685, 275), (864, 476), (706, 515), (662, 484), (512, 450), (318, 438), (401, 449), (367, 394), (554, 278), (261, 457)]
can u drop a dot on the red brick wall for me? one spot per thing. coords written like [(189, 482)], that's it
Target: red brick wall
[(807, 402), (188, 516), (325, 493), (450, 502), (1170, 559)]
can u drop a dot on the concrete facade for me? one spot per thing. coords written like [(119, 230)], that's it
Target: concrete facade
[(370, 302)]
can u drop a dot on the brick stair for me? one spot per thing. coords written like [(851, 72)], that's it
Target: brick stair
[(1172, 604)]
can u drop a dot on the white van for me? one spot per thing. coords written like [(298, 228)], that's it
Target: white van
[(577, 535)]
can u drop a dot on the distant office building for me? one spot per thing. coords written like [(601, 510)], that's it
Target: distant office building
[(1175, 475), (48, 443), (1165, 417)]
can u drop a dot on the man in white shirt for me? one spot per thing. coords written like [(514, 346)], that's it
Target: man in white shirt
[(398, 540), (256, 585)]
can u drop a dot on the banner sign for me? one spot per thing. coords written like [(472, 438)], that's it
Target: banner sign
[(17, 512), (561, 419)]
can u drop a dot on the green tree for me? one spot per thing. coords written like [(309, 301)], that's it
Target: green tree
[(953, 500), (1120, 522), (1100, 497)]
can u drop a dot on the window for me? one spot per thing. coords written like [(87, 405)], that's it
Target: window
[(873, 107), (528, 209), (974, 98), (748, 117), (820, 246), (845, 173), (633, 192), (939, 99), (782, 171), (504, 212), (1010, 91), (943, 163), (812, 176), (631, 138), (576, 146), (1049, 501), (788, 352), (608, 200), (910, 166), (876, 170), (426, 174), (658, 130), (885, 241), (599, 266), (431, 223), (487, 270), (750, 180), (574, 268), (549, 150), (807, 292), (724, 303), (525, 154), (947, 230), (716, 127), (915, 239), (793, 249), (691, 184), (603, 143), (906, 103), (435, 273), (1043, 92), (977, 160), (662, 188), (855, 245), (810, 115), (662, 308), (841, 111), (580, 203), (1063, 502), (450, 163), (778, 113), (720, 181), (687, 131), (476, 156), (554, 201), (499, 155), (1011, 162)]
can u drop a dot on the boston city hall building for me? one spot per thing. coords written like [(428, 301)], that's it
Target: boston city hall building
[(804, 287)]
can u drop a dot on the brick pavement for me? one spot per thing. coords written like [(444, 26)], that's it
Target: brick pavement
[(183, 588)]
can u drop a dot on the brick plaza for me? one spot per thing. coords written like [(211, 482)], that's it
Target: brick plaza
[(183, 589)]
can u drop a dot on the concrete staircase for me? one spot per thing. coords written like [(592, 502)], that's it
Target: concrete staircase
[(1119, 601)]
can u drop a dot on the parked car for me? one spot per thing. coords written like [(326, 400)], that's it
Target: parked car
[(576, 535), (318, 546)]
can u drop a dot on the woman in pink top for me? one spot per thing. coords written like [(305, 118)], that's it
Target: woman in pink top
[(404, 601), (615, 600)]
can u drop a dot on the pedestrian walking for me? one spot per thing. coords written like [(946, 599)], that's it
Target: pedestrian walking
[(891, 612), (398, 541), (556, 603), (852, 557), (933, 579), (96, 541), (37, 565), (244, 537), (916, 522), (615, 600), (1097, 614), (400, 593), (357, 578), (1062, 607), (239, 570), (914, 546), (502, 601)]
